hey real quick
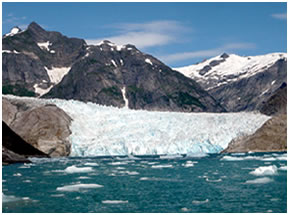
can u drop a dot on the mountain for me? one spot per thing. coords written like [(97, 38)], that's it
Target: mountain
[(43, 63), (35, 60), (240, 83)]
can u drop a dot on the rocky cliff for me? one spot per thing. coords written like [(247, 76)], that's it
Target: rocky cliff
[(272, 136), (45, 127)]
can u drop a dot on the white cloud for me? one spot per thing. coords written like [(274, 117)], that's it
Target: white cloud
[(205, 53), (282, 16), (144, 35)]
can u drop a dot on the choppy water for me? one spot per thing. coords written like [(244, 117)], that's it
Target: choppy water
[(214, 183)]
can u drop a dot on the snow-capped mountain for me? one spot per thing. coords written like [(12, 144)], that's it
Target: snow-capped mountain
[(37, 62), (240, 83)]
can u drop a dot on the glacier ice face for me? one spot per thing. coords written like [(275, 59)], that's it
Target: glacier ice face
[(101, 130)]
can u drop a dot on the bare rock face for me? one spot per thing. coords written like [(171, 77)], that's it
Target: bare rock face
[(272, 136), (45, 127)]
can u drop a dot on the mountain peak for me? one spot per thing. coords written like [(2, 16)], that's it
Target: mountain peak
[(35, 27), (13, 31), (224, 55)]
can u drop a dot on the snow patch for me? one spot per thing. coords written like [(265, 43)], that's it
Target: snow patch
[(123, 90), (13, 31), (10, 52), (113, 62), (78, 187), (40, 90), (148, 61), (44, 45), (57, 73)]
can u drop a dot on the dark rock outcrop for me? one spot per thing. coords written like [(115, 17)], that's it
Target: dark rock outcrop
[(46, 127), (15, 149), (272, 136), (277, 103)]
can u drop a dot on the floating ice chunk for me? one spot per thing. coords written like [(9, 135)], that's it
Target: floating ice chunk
[(283, 168), (264, 180), (217, 180), (196, 155), (91, 164), (162, 166), (74, 169), (27, 181), (118, 163), (170, 156), (120, 168), (189, 164), (129, 172), (6, 199), (185, 209), (57, 195), (148, 61), (230, 158), (265, 170), (78, 187), (196, 202), (25, 198), (83, 177), (17, 174), (114, 201)]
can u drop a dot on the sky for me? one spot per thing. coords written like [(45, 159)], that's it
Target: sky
[(178, 34)]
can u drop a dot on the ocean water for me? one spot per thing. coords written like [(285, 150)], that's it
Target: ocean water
[(255, 182)]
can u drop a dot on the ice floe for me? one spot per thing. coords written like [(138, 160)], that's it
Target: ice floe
[(78, 187), (197, 202), (265, 170), (264, 180), (74, 169), (114, 201), (162, 166)]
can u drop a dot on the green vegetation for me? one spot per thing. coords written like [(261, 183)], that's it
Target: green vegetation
[(182, 98), (17, 90), (112, 91)]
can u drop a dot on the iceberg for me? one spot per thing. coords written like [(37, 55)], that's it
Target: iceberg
[(265, 170), (104, 131)]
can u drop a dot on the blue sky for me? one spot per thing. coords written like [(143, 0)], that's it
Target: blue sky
[(177, 33)]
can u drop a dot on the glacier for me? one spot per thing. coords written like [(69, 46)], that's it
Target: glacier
[(101, 130)]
